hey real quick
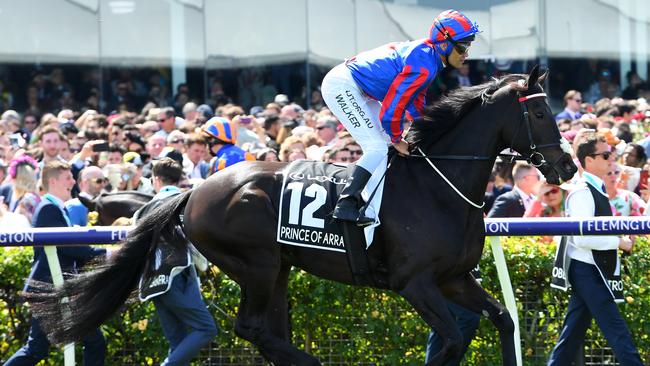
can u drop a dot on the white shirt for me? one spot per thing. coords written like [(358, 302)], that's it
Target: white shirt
[(13, 220), (580, 204), (525, 198)]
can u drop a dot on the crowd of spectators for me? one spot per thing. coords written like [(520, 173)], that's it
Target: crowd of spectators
[(124, 143), (115, 152)]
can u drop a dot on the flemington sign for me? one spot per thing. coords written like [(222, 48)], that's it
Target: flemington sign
[(567, 226), (493, 227)]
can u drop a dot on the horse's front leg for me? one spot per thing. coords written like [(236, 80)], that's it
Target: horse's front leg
[(466, 292), (423, 294)]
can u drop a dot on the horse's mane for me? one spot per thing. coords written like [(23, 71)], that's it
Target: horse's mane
[(444, 114)]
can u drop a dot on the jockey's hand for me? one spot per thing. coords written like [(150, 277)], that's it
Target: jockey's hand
[(402, 147)]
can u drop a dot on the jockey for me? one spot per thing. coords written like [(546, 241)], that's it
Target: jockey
[(221, 138), (374, 92)]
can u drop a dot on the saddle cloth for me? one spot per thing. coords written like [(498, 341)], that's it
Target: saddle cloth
[(308, 197)]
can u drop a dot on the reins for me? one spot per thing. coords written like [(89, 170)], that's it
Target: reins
[(536, 158)]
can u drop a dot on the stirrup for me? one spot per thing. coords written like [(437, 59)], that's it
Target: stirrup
[(363, 221)]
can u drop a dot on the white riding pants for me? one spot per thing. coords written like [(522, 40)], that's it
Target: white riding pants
[(358, 113)]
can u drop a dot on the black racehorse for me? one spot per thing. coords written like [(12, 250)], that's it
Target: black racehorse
[(430, 237), (111, 206)]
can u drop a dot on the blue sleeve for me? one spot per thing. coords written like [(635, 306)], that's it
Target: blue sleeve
[(78, 215), (406, 90)]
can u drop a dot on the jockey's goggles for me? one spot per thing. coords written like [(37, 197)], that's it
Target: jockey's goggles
[(461, 47)]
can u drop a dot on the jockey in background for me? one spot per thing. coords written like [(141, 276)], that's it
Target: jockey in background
[(221, 135), (373, 93)]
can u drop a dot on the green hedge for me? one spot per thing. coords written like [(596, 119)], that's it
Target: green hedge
[(344, 325)]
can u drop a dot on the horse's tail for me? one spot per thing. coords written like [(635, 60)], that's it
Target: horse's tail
[(94, 296)]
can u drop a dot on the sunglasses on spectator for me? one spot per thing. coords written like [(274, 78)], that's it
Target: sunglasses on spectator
[(605, 155), (578, 100), (99, 180), (320, 127), (616, 172), (553, 190), (161, 119), (175, 141)]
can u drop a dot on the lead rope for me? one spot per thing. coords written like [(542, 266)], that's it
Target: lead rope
[(448, 182)]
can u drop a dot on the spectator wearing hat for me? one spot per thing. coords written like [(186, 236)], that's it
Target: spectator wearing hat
[(281, 100), (137, 181), (203, 113), (91, 183), (221, 136), (194, 165), (572, 102), (256, 111)]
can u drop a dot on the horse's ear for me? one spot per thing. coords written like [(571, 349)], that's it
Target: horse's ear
[(90, 204), (542, 78), (533, 77)]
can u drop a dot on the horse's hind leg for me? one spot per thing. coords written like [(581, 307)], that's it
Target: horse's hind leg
[(258, 286), (468, 293), (278, 312), (423, 294)]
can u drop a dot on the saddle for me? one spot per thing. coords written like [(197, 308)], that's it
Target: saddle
[(309, 194)]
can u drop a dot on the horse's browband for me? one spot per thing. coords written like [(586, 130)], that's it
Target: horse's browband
[(523, 99)]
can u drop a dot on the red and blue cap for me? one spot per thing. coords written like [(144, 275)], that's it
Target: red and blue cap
[(452, 25)]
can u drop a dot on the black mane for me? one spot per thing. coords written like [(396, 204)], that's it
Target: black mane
[(443, 115)]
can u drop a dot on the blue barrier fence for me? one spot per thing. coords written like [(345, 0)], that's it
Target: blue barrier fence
[(493, 227)]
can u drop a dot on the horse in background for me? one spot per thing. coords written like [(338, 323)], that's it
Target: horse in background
[(112, 206), (431, 237)]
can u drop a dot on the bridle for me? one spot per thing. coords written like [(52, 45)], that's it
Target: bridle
[(536, 158)]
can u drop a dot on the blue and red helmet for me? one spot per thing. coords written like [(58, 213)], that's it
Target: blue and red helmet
[(221, 129), (451, 27)]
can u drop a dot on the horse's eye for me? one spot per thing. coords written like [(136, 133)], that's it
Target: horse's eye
[(539, 115)]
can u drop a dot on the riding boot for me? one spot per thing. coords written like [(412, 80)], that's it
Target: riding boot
[(350, 201)]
